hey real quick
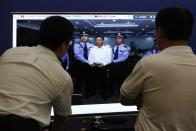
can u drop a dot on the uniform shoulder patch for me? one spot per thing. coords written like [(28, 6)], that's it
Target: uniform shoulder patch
[(79, 44), (125, 46)]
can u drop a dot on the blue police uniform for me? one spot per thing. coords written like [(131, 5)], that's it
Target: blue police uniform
[(151, 52), (65, 61), (79, 51), (119, 68), (65, 58), (123, 53), (120, 51)]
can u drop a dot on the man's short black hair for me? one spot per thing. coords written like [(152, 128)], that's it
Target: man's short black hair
[(176, 23), (54, 31), (100, 35)]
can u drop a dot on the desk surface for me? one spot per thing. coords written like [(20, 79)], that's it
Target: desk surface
[(100, 109)]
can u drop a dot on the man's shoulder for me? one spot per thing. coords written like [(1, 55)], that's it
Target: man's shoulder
[(17, 52), (90, 44), (107, 46), (56, 70), (94, 48), (78, 44), (153, 58), (126, 46), (18, 49)]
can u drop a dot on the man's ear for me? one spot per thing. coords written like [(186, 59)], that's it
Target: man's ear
[(158, 32), (64, 47)]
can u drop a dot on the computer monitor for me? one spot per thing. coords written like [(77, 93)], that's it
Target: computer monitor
[(138, 27)]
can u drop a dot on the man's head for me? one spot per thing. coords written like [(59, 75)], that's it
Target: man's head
[(99, 40), (84, 36), (120, 38), (173, 25), (55, 34)]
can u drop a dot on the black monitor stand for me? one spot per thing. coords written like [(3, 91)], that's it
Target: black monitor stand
[(96, 125), (111, 123)]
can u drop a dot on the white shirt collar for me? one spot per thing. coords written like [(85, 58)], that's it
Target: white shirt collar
[(100, 47)]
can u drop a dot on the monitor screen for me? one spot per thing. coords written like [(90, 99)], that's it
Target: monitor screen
[(96, 84)]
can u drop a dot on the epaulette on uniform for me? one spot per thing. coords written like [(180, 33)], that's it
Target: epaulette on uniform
[(125, 46)]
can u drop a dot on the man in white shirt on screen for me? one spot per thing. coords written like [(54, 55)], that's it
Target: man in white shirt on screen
[(100, 56), (33, 81), (163, 85)]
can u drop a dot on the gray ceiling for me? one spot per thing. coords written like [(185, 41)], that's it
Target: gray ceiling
[(131, 27)]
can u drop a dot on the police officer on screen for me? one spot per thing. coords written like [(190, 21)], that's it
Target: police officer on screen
[(81, 51), (82, 48), (120, 50), (120, 56), (65, 61)]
